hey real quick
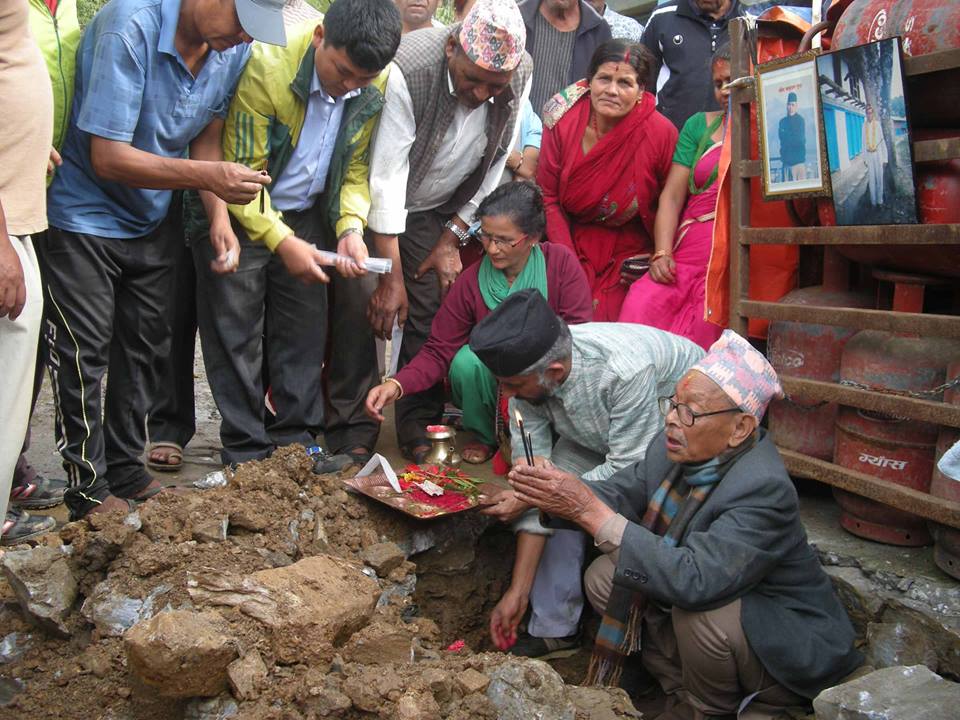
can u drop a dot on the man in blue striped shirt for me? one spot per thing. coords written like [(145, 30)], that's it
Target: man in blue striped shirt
[(154, 79)]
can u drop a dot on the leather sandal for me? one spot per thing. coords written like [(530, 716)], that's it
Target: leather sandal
[(174, 459), (481, 452)]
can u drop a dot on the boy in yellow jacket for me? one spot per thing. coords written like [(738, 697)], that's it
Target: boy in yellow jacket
[(304, 114)]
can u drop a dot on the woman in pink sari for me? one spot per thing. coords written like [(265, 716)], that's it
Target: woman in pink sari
[(671, 295), (604, 159)]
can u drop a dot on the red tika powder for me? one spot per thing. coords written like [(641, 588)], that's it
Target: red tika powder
[(451, 500)]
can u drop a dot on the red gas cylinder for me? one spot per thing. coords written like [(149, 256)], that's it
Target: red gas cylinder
[(938, 187), (810, 351), (892, 448), (925, 26), (946, 552)]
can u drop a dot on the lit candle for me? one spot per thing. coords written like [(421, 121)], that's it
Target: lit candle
[(525, 439)]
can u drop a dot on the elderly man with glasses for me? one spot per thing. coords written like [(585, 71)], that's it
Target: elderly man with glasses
[(588, 397), (705, 562)]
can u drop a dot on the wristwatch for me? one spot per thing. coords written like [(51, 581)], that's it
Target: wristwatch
[(463, 236)]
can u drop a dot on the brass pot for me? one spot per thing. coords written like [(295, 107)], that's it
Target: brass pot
[(443, 446)]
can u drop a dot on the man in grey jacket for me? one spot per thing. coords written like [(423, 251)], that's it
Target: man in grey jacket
[(704, 554)]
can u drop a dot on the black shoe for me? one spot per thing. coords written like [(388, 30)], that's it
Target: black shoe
[(20, 526), (546, 648), (41, 493), (324, 462)]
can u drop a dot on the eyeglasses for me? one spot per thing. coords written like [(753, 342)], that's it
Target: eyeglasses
[(500, 242), (684, 413)]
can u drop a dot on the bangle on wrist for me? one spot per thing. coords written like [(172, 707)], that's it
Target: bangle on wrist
[(659, 254), (463, 236), (397, 383), (348, 231)]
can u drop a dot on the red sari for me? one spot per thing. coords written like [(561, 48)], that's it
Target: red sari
[(602, 204)]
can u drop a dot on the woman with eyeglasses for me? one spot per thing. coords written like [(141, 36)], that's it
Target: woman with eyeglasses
[(512, 224), (604, 159)]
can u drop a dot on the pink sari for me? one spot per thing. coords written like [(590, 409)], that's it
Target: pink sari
[(679, 308)]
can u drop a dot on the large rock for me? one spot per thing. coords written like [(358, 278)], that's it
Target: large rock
[(380, 643), (417, 706), (859, 596), (182, 653), (113, 614), (44, 585), (602, 703), (247, 676), (221, 707), (942, 629), (524, 689), (383, 557), (318, 601), (896, 693), (892, 644)]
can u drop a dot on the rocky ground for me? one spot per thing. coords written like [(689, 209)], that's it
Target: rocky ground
[(282, 596), (278, 596)]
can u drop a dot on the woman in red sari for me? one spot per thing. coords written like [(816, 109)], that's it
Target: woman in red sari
[(604, 159)]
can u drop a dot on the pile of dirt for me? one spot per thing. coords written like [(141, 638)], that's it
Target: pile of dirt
[(282, 595)]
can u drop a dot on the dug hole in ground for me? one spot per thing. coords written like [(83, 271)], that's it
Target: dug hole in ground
[(277, 596)]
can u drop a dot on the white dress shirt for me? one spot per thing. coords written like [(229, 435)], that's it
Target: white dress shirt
[(458, 155)]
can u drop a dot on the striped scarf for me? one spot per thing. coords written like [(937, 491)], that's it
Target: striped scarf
[(669, 512)]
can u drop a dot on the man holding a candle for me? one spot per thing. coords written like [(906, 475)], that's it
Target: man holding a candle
[(706, 567), (593, 387)]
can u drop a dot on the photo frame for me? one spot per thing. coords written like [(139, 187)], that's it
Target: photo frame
[(793, 160), (867, 134)]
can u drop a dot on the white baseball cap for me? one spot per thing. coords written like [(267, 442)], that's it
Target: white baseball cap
[(263, 20)]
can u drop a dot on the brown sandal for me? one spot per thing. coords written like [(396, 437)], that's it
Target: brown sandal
[(174, 461), (481, 452)]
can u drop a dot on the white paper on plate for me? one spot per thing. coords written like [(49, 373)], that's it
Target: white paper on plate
[(379, 461), (430, 488), (949, 464)]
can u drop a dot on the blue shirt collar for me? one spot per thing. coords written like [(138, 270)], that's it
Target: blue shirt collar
[(169, 19)]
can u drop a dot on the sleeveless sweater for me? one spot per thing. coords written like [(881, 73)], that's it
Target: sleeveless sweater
[(423, 61)]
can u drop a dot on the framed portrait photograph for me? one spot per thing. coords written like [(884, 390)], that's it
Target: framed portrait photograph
[(792, 157), (867, 131)]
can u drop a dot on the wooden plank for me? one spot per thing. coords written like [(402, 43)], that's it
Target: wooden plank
[(925, 324), (946, 234), (933, 150), (746, 95), (740, 188), (923, 151), (803, 390), (749, 168), (931, 63), (903, 498)]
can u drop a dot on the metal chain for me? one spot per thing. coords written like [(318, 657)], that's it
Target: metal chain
[(920, 394), (904, 393)]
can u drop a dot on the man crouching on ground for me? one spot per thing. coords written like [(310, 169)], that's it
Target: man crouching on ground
[(704, 554)]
